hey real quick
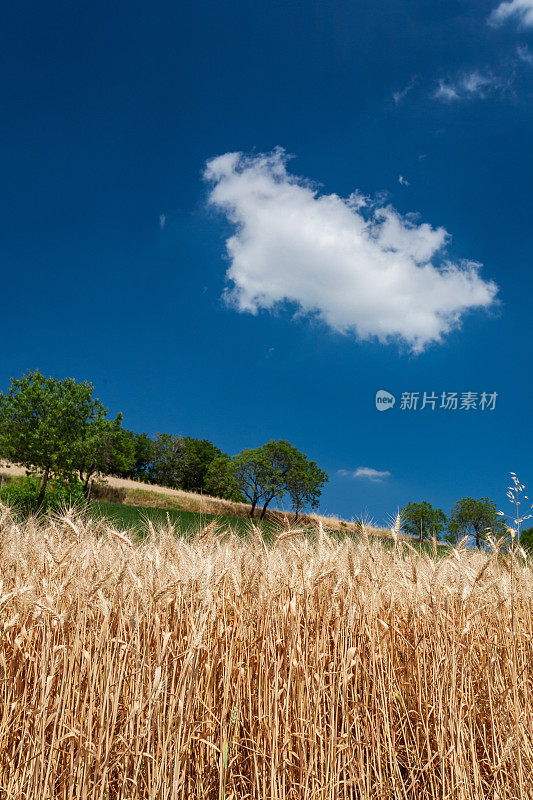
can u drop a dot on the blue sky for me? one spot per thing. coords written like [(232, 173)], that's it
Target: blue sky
[(113, 244)]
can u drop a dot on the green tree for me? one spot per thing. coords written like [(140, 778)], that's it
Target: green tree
[(475, 518), (182, 462), (196, 457), (167, 452), (265, 473), (143, 454), (422, 520), (221, 480), (141, 446), (279, 457), (42, 422), (304, 482), (105, 448), (252, 475)]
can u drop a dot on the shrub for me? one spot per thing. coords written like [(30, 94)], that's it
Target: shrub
[(21, 494)]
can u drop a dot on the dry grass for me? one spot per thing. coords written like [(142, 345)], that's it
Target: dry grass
[(218, 668)]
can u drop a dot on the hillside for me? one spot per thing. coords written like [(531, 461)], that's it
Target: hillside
[(150, 495)]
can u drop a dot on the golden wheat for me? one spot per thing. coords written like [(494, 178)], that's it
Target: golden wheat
[(220, 668)]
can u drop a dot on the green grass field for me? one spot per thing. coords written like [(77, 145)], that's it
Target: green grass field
[(187, 523), (136, 518)]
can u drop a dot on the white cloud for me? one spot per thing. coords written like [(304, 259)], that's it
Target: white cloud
[(400, 95), (446, 91), (162, 220), (367, 473), (403, 181), (361, 268), (524, 54), (521, 10), (469, 86)]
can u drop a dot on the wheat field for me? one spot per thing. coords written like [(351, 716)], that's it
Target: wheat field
[(219, 668)]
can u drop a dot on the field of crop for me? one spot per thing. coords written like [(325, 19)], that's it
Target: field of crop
[(219, 667)]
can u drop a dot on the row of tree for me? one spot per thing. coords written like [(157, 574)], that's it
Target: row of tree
[(58, 429), (470, 517), (257, 475)]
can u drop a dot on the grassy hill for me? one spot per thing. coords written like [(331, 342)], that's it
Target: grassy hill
[(139, 500)]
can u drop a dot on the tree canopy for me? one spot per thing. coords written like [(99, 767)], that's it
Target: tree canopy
[(43, 422), (423, 521), (266, 473), (105, 448), (475, 518), (182, 462), (304, 481)]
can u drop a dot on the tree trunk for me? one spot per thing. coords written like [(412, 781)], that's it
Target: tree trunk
[(252, 509), (88, 496), (42, 490), (87, 487), (267, 501)]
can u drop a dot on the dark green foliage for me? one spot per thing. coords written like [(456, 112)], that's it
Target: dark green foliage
[(475, 518), (59, 431), (265, 473), (22, 493), (167, 451), (42, 422), (304, 482), (105, 448), (197, 456), (252, 475), (43, 419), (221, 480), (143, 454), (182, 462), (423, 521), (526, 539)]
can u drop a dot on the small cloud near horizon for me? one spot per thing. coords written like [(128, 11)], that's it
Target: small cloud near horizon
[(162, 220), (366, 473), (403, 181)]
